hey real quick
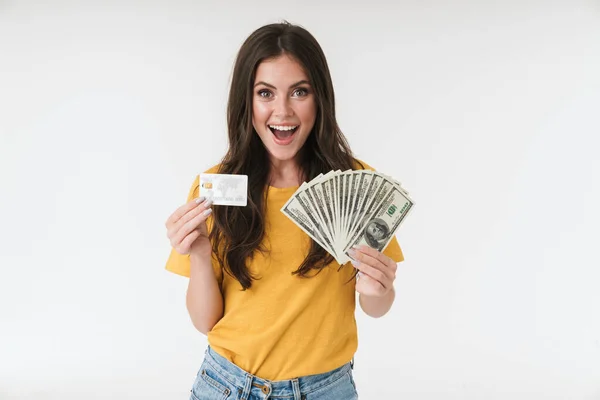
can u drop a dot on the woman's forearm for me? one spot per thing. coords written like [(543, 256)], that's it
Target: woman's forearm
[(204, 299)]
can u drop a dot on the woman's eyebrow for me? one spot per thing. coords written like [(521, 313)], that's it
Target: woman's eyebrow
[(302, 82)]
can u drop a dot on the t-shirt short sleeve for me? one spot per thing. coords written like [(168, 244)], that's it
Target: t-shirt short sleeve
[(180, 263), (392, 250)]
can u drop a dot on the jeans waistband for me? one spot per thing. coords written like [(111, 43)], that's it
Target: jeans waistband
[(244, 380)]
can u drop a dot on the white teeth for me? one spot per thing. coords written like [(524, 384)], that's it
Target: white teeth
[(283, 128)]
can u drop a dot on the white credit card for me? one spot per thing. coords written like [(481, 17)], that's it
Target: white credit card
[(225, 189)]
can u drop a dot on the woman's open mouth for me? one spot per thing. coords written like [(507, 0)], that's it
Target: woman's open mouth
[(283, 134)]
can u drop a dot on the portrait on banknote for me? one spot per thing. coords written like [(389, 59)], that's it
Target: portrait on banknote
[(376, 233)]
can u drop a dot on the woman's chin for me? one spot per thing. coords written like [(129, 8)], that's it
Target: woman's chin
[(282, 156)]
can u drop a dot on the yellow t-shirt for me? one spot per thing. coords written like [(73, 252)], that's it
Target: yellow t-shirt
[(284, 326)]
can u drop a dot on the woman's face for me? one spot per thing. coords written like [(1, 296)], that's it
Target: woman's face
[(283, 107)]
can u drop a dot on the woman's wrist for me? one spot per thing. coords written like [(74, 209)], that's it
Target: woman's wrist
[(200, 260)]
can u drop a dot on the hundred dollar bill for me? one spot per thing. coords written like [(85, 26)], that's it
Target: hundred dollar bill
[(328, 201), (327, 185), (318, 199), (397, 183), (374, 182), (374, 202), (363, 182), (296, 211), (338, 202), (381, 227), (306, 201), (357, 179), (318, 210), (348, 179)]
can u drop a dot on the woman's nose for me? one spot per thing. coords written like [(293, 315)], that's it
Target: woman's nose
[(283, 108)]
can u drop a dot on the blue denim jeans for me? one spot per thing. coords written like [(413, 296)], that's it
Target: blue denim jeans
[(219, 379)]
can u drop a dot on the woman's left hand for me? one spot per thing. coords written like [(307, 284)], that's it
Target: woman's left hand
[(377, 271)]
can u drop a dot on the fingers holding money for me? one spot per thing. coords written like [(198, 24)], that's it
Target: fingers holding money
[(354, 207), (375, 265)]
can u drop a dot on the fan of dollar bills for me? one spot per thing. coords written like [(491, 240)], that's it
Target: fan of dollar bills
[(342, 209)]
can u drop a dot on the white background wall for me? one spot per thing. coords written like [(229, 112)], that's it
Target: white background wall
[(488, 112)]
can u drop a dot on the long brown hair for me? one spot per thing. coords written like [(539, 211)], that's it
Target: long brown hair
[(238, 231)]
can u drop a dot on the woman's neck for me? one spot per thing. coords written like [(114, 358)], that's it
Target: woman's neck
[(284, 174)]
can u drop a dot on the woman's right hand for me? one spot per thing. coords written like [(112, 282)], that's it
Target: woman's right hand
[(186, 227)]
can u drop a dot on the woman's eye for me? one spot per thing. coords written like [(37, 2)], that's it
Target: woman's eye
[(264, 93), (300, 92)]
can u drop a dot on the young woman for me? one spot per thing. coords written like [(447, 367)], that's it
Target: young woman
[(278, 310)]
